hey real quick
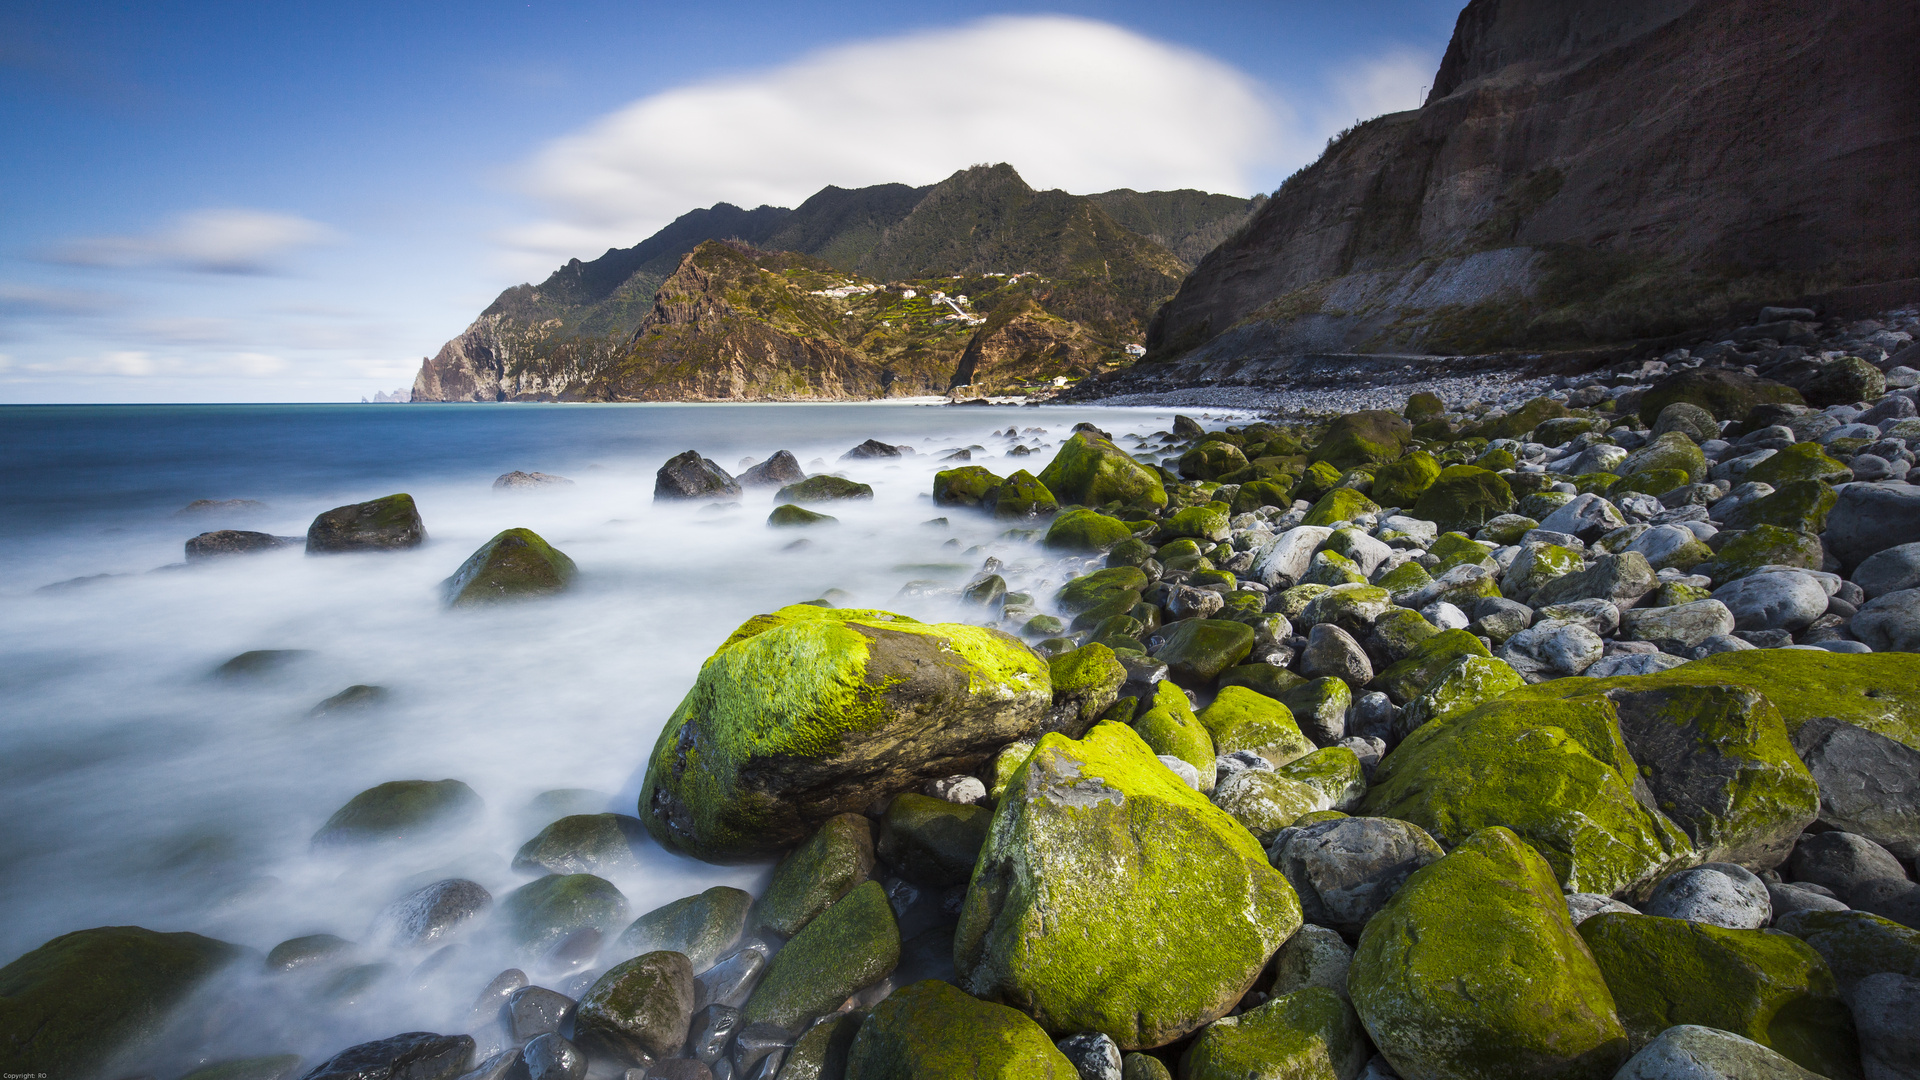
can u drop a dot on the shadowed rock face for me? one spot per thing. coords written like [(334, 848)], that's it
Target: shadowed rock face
[(1586, 172)]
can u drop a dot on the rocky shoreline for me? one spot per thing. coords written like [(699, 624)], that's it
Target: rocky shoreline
[(1572, 735)]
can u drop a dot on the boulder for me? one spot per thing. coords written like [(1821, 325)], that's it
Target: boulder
[(1366, 437), (1086, 682), (777, 471), (1169, 726), (1798, 505), (542, 912), (1718, 894), (964, 486), (224, 542), (400, 810), (1099, 859), (1345, 871), (1264, 801), (1692, 1052), (1211, 460), (1884, 1010), (931, 841), (811, 712), (515, 565), (1689, 624), (1869, 784), (1552, 648), (1320, 706), (1890, 622), (1338, 506), (1332, 652), (1856, 944), (690, 476), (1892, 570), (1407, 678), (1283, 560), (1670, 452), (1871, 518), (819, 1053), (1727, 393), (1780, 600), (1765, 986), (1474, 969), (415, 1055), (1801, 461), (1845, 863), (787, 515), (852, 944), (1309, 1034), (1092, 471), (1587, 516), (639, 1010), (1536, 564), (1460, 686), (1621, 579), (931, 1031), (1843, 382), (1198, 650), (1243, 719), (1086, 530), (1402, 482), (432, 913), (815, 875), (703, 927), (1019, 496), (70, 1005), (1688, 419), (823, 488), (388, 524), (1761, 547), (1464, 497)]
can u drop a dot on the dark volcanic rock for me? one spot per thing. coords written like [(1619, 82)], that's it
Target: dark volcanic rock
[(381, 525), (213, 545), (416, 1055), (690, 476), (874, 448), (779, 470)]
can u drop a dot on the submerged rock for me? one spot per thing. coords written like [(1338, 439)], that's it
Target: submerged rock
[(583, 844), (529, 481), (256, 663), (639, 1010), (400, 810), (431, 915), (823, 488), (387, 524), (356, 698), (224, 542), (542, 912), (416, 1055), (516, 564)]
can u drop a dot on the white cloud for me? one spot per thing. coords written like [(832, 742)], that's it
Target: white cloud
[(1390, 82), (1069, 102), (220, 241), (29, 300)]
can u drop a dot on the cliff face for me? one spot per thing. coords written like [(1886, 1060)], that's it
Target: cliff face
[(1587, 172)]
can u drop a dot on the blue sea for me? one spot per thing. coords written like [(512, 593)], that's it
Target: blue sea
[(138, 790)]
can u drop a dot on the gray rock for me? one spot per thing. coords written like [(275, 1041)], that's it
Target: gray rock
[(490, 1006), (1500, 618), (1886, 1013), (1662, 542), (1692, 1052), (1283, 560), (1787, 601), (1718, 644), (417, 1055), (225, 542), (1841, 861), (1313, 956), (1585, 905), (1587, 516), (1689, 624), (529, 481), (584, 844), (1894, 898), (1688, 419), (1869, 784), (1601, 458), (1890, 622), (777, 471), (497, 1066), (432, 915), (1188, 775), (1368, 749), (1718, 894), (552, 1057), (690, 476), (1095, 1055), (1372, 716), (1378, 1068), (1734, 470), (965, 790), (536, 1010), (1187, 602), (1621, 579), (731, 980), (1633, 664), (1870, 518), (1552, 648), (1870, 467), (1892, 570), (1332, 652), (1789, 897), (1347, 869), (1445, 616), (1599, 616), (711, 1031)]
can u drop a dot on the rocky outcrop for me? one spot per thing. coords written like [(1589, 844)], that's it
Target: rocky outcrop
[(1585, 173), (1020, 343)]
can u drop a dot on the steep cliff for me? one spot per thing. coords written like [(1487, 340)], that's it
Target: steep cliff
[(1586, 172)]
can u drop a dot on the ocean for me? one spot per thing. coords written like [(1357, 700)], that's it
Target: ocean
[(137, 789)]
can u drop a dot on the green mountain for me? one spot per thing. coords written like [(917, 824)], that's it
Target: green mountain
[(1079, 271)]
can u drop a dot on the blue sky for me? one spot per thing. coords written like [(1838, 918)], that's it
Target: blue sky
[(296, 201)]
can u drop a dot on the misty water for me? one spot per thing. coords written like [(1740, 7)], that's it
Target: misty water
[(137, 789)]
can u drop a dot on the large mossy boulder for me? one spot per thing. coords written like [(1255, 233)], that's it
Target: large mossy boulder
[(1240, 718), (70, 1005), (1086, 530), (1799, 505), (1021, 495), (1557, 774), (1309, 1034), (1516, 424), (1672, 451), (1111, 897), (1744, 552), (964, 486), (1727, 393), (1464, 497), (1092, 471), (814, 876), (1339, 506), (811, 712), (823, 488), (853, 944), (1211, 460), (400, 810), (387, 524), (1763, 985), (515, 565), (1856, 944), (1402, 482), (1367, 437), (931, 1031), (1474, 971)]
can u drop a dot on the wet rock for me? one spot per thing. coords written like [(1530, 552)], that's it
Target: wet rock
[(357, 698), (1094, 1056), (492, 1002), (1869, 784), (312, 950), (787, 515), (541, 913), (529, 481), (416, 1055), (821, 1053), (434, 914), (387, 524), (711, 1032), (532, 1011), (874, 448), (225, 542), (931, 841), (1198, 650), (1308, 1033), (266, 1067), (702, 927), (1332, 652), (965, 790), (260, 663), (220, 506), (639, 1010), (823, 488), (583, 844), (815, 875), (1693, 1052), (401, 810), (1719, 894), (852, 944), (777, 471), (931, 1030), (731, 981), (1345, 871), (553, 1057), (516, 564), (690, 476)]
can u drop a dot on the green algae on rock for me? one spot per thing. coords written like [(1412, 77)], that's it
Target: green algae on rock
[(1021, 495), (1198, 650), (544, 910), (1086, 682), (1801, 461), (1402, 482), (787, 515), (1407, 678), (1466, 683), (931, 841), (811, 712), (1092, 471), (850, 945), (515, 565), (1763, 985), (815, 875), (1309, 1034), (1728, 394), (1170, 728), (400, 810), (1340, 506), (1243, 719), (387, 524), (1474, 971), (583, 844), (702, 927), (964, 486), (930, 1031), (823, 488), (1111, 897), (1264, 801), (1085, 530), (1367, 437), (70, 1005), (1856, 944), (639, 1009), (1464, 497), (1211, 460)]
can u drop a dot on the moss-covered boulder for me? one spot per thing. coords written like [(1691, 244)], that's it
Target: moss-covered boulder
[(1743, 552), (1098, 589), (388, 524), (702, 927), (1265, 802), (1402, 482), (515, 565), (541, 912), (1021, 495), (1856, 944), (964, 486), (1462, 685), (1670, 451), (1423, 405), (639, 1010), (1240, 718), (1464, 497), (1764, 985), (1316, 480), (1558, 774), (1727, 393), (811, 712), (1799, 505), (1111, 897), (1169, 727), (1208, 521), (854, 943), (1518, 423), (1198, 650), (401, 810), (1085, 530), (1408, 677), (823, 488), (1844, 381), (1367, 437), (1339, 506), (1537, 564), (1255, 494), (1474, 970), (931, 1031), (787, 515), (1211, 460), (814, 876), (70, 1005), (583, 844), (1309, 1034), (932, 841), (1801, 461), (1086, 681), (1092, 471)]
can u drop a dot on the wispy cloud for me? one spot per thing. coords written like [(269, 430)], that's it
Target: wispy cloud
[(217, 241), (1391, 82), (1070, 102), (21, 300)]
